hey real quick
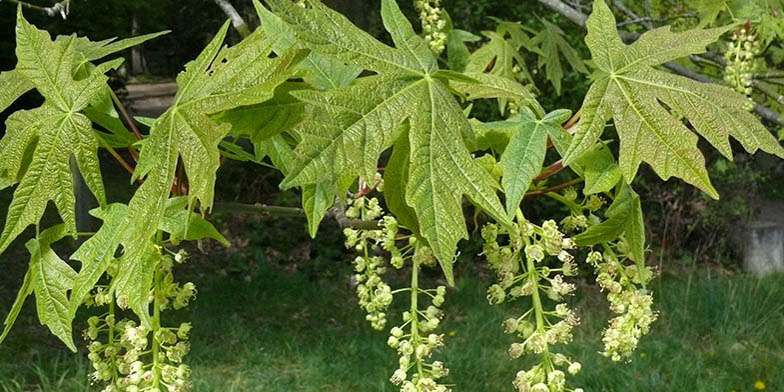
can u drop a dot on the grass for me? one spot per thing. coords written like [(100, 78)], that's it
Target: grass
[(286, 331)]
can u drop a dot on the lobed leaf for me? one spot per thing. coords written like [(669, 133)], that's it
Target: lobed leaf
[(647, 105)]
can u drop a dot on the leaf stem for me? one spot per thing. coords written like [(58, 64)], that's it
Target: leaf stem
[(156, 322), (129, 121), (553, 188), (414, 310), (117, 156)]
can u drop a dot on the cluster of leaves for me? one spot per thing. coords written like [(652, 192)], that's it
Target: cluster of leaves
[(322, 101)]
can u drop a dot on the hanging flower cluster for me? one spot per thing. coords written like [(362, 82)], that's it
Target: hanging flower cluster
[(373, 293), (134, 358), (520, 265), (415, 339), (628, 299), (433, 23), (740, 55)]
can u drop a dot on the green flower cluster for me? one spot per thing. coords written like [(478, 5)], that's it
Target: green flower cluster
[(373, 293), (740, 55), (135, 358), (417, 346), (433, 24), (628, 299), (520, 262), (414, 340)]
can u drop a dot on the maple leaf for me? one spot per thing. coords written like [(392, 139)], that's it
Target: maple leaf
[(553, 45), (219, 79), (350, 127), (624, 217), (647, 104), (524, 154), (58, 130), (49, 278)]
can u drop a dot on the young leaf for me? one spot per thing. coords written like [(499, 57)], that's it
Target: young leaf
[(97, 252), (15, 84), (350, 127), (552, 46), (262, 121), (624, 217), (628, 89), (50, 279), (524, 155), (347, 134), (493, 86), (61, 131), (601, 172), (456, 49)]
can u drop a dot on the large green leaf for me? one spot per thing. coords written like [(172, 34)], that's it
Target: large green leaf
[(350, 127), (624, 217), (321, 71), (57, 130), (332, 34), (14, 85), (647, 104), (524, 155), (217, 80)]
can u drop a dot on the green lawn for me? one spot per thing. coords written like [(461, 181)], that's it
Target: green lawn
[(284, 331)]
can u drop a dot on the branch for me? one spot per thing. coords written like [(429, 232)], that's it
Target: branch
[(570, 13), (61, 8), (236, 20), (579, 18), (266, 210), (635, 18)]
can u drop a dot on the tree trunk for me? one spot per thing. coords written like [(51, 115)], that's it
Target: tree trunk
[(137, 56)]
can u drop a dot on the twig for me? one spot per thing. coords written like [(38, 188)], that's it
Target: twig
[(635, 18), (60, 8), (769, 92), (236, 20)]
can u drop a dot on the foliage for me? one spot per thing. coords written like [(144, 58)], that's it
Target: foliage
[(324, 102)]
